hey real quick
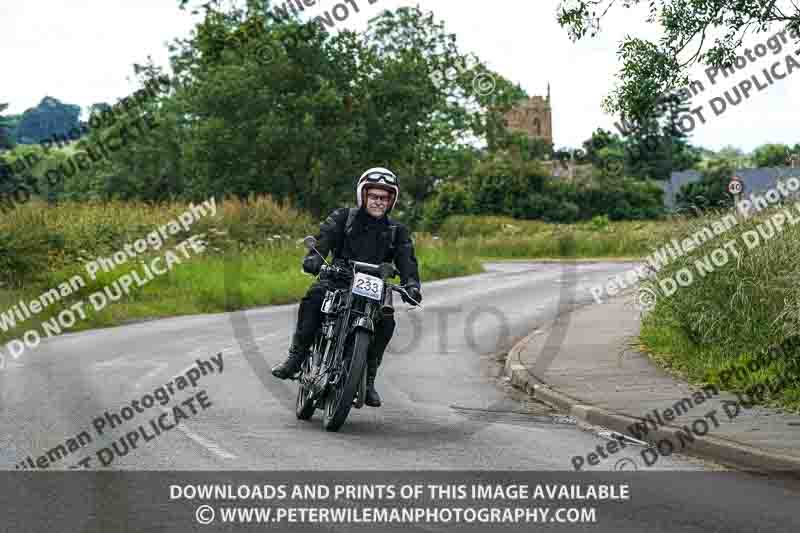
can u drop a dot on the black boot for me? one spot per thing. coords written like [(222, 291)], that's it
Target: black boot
[(372, 397), (297, 355)]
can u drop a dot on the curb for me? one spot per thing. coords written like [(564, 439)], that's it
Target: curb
[(724, 451)]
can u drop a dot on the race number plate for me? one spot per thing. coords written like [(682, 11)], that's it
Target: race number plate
[(368, 286)]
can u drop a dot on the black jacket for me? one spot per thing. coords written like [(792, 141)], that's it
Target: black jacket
[(370, 241)]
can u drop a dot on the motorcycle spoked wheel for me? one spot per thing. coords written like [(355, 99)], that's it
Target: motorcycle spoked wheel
[(358, 401), (340, 398), (305, 404)]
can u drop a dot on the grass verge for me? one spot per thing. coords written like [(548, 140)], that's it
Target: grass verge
[(507, 238), (265, 276), (737, 308)]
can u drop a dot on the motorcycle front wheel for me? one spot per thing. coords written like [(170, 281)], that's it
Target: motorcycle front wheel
[(305, 404), (340, 398)]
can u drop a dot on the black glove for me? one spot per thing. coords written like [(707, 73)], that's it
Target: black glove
[(312, 264), (413, 292)]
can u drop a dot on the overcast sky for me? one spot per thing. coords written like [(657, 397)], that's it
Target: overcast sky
[(81, 52)]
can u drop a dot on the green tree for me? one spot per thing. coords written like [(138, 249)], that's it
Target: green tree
[(451, 198), (599, 140), (50, 117), (524, 147), (502, 184), (794, 156), (655, 145), (681, 154), (6, 138), (610, 160), (733, 155), (711, 191), (20, 175), (649, 68), (444, 101), (284, 108), (562, 154), (607, 152), (771, 155)]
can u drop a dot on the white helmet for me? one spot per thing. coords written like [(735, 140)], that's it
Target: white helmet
[(381, 178)]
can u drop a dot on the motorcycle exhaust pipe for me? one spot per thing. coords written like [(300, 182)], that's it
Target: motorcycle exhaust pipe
[(387, 307)]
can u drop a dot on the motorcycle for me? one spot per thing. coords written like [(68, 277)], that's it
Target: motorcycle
[(334, 377)]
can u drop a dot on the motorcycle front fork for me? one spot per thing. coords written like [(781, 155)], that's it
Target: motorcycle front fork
[(329, 340)]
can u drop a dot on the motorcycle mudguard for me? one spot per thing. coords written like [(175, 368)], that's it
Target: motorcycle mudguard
[(363, 322)]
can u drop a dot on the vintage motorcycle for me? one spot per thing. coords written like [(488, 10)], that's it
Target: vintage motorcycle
[(334, 378)]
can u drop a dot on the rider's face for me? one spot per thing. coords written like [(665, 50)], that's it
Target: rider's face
[(377, 202)]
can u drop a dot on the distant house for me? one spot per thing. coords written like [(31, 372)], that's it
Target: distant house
[(755, 180)]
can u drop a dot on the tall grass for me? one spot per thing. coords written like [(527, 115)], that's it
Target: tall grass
[(253, 258), (745, 309), (36, 239), (505, 237)]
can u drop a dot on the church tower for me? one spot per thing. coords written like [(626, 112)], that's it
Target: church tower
[(533, 117)]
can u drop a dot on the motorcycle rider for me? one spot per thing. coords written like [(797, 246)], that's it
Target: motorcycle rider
[(368, 235)]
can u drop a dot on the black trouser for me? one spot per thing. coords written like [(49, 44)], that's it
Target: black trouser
[(309, 320)]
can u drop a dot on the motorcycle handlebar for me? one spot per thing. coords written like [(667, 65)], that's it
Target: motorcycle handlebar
[(337, 270), (329, 269)]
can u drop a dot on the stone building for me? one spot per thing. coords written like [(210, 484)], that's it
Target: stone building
[(533, 117)]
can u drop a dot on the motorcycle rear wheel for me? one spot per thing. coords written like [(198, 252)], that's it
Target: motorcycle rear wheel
[(340, 398)]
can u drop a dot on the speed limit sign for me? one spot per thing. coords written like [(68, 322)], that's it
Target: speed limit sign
[(735, 186)]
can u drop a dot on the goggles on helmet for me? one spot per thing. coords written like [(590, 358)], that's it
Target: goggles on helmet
[(377, 177)]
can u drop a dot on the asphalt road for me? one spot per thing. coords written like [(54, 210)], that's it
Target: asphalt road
[(444, 406)]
